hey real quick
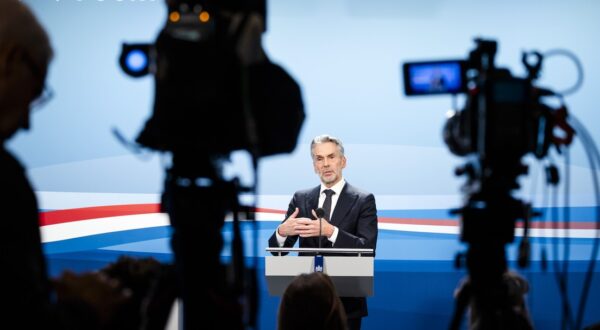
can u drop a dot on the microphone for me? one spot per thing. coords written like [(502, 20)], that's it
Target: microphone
[(320, 214)]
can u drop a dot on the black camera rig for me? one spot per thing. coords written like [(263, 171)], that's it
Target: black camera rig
[(215, 92), (504, 119)]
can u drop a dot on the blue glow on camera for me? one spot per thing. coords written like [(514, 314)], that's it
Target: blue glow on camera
[(137, 60), (436, 78)]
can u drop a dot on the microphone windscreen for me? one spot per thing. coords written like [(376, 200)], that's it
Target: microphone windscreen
[(320, 212)]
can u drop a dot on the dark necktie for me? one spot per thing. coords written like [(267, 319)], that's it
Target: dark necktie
[(327, 203)]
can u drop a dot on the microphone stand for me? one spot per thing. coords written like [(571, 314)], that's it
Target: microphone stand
[(320, 228), (320, 214), (319, 257)]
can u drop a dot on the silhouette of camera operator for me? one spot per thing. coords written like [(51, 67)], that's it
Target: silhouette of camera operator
[(82, 301)]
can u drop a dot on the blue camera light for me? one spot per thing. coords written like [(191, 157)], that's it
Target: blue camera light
[(135, 59)]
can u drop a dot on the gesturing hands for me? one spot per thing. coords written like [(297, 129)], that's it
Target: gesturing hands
[(305, 227)]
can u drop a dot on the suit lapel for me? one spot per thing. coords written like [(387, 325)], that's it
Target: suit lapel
[(312, 201), (344, 204)]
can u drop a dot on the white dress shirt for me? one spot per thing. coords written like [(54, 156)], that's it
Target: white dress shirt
[(337, 188)]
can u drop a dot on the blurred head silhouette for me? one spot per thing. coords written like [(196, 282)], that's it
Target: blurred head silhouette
[(511, 313), (25, 53), (311, 302)]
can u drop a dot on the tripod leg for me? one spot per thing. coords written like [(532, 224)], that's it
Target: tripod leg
[(197, 215)]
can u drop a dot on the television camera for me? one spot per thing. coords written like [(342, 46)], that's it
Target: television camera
[(504, 118), (215, 92)]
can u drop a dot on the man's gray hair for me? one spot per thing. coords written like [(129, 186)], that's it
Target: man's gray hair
[(326, 138)]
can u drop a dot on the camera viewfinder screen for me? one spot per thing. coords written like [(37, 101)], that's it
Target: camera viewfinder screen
[(442, 77)]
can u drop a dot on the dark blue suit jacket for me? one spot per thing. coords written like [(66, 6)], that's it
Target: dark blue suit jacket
[(355, 216)]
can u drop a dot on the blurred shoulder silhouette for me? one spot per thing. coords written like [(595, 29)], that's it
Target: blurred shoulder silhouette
[(311, 302)]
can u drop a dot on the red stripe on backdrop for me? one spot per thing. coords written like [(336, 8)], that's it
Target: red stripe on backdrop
[(260, 209), (85, 213), (427, 222), (95, 212)]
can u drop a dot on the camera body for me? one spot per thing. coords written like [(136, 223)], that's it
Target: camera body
[(503, 119), (503, 115), (207, 100)]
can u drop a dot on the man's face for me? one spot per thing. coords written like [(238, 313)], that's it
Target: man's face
[(328, 163), (20, 84)]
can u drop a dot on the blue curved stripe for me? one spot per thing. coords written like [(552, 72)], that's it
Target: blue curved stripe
[(391, 244), (99, 241)]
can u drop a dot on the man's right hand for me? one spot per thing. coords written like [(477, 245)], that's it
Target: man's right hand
[(288, 227)]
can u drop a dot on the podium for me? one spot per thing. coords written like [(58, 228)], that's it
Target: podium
[(351, 275)]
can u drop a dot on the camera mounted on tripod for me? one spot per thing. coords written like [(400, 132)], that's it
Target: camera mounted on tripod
[(216, 92)]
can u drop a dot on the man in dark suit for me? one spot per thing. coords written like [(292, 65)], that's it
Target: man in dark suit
[(351, 215)]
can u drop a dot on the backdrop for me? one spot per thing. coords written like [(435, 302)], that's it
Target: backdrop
[(100, 200)]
